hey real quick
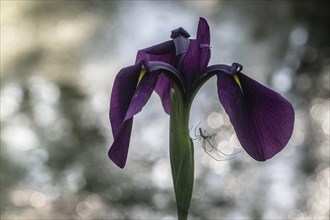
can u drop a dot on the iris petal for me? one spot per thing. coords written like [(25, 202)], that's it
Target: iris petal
[(203, 32), (164, 84), (119, 149), (203, 37), (121, 96), (263, 119), (209, 72), (170, 72), (142, 94), (163, 88), (181, 44), (198, 54), (191, 63), (164, 52), (122, 93)]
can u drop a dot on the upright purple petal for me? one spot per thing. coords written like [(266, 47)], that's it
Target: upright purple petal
[(180, 38), (181, 44), (263, 119), (203, 32), (179, 31), (122, 93), (198, 54), (190, 64), (142, 94), (203, 37)]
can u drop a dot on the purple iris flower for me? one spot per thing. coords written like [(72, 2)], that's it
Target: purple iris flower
[(263, 119)]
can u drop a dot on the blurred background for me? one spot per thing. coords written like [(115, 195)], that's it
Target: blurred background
[(58, 63)]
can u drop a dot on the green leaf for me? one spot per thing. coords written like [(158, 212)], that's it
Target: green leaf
[(181, 154)]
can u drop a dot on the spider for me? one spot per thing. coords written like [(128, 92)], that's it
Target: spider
[(207, 141)]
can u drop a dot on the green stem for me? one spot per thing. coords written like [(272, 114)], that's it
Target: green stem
[(181, 154)]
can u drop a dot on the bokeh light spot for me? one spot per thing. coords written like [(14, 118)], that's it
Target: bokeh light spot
[(215, 120)]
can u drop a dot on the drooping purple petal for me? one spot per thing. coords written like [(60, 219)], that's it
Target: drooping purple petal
[(164, 52), (142, 94), (164, 83), (172, 73), (210, 71), (263, 119), (122, 93), (119, 148), (121, 96), (163, 88)]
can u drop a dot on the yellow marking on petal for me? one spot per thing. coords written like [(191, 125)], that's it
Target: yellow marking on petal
[(238, 82), (142, 73)]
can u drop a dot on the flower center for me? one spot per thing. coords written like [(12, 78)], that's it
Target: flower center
[(142, 73), (234, 70), (237, 81)]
